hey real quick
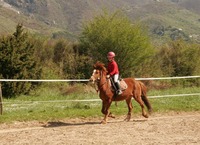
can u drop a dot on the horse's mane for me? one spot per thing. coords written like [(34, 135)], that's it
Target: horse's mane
[(100, 66)]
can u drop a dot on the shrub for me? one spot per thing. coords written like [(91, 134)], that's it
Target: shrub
[(17, 61)]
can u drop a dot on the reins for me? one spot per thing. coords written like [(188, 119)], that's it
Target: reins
[(100, 86)]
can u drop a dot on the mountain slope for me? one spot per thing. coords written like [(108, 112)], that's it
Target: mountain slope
[(61, 17), (167, 15), (191, 5), (10, 17)]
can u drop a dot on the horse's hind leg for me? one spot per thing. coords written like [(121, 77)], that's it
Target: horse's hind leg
[(130, 107), (139, 100)]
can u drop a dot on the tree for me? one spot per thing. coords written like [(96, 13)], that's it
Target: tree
[(17, 61), (71, 63), (180, 58), (115, 32)]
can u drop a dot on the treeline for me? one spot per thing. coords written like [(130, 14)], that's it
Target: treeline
[(26, 56)]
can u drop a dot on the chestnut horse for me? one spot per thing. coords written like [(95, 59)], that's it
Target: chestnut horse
[(135, 89)]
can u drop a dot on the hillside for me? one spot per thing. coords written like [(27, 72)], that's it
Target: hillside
[(191, 5), (167, 19), (10, 16), (61, 17)]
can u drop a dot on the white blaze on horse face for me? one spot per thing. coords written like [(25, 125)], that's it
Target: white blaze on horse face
[(92, 78)]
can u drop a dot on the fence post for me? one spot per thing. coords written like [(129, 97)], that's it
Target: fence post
[(1, 100)]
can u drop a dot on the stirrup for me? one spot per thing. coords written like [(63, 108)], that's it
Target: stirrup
[(119, 92)]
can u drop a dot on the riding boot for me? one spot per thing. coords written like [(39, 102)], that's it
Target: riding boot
[(119, 92)]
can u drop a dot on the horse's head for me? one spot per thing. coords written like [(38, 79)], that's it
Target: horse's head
[(96, 75), (99, 70)]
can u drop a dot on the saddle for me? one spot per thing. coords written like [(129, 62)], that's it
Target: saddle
[(123, 85)]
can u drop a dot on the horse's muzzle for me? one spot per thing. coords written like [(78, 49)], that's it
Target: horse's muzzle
[(92, 79)]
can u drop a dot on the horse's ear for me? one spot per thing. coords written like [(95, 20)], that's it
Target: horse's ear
[(98, 63)]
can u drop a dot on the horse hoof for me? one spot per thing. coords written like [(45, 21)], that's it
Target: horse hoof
[(127, 120), (111, 115), (103, 122), (146, 116), (150, 111)]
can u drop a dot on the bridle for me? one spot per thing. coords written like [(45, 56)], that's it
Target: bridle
[(99, 86), (98, 80)]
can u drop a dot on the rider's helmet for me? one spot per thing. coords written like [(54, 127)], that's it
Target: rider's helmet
[(111, 54)]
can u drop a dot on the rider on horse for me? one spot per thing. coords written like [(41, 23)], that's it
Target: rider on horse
[(113, 71)]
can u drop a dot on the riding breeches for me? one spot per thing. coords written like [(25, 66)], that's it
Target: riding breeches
[(116, 78)]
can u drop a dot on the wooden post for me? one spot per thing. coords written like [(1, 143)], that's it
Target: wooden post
[(1, 100)]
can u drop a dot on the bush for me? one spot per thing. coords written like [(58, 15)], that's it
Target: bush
[(17, 61), (115, 32), (179, 58)]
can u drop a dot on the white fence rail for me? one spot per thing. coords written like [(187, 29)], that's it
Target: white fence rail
[(168, 78), (86, 80), (67, 80)]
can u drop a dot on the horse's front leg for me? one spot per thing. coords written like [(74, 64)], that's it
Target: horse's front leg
[(105, 110), (130, 107)]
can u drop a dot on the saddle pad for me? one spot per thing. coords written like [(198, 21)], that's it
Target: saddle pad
[(123, 85)]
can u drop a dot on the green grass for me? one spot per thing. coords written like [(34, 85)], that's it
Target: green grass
[(174, 90), (27, 108)]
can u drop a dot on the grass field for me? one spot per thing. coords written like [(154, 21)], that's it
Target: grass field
[(54, 104)]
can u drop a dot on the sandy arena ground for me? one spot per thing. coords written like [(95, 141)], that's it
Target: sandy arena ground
[(160, 129)]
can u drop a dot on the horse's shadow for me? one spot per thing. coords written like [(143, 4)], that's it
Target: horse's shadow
[(60, 124)]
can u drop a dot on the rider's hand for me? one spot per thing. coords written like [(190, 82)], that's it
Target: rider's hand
[(108, 76)]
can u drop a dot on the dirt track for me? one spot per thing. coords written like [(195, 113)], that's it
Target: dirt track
[(168, 129)]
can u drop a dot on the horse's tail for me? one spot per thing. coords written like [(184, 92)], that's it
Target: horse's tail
[(144, 96)]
